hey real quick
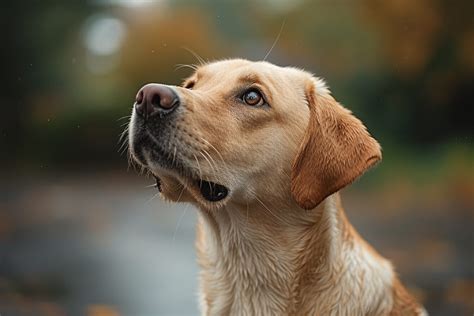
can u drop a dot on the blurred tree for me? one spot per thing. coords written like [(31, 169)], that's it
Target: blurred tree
[(406, 68), (424, 89), (35, 35)]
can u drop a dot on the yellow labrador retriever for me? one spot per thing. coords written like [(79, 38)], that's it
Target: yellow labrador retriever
[(262, 151)]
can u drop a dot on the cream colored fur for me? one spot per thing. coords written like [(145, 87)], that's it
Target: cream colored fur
[(280, 243)]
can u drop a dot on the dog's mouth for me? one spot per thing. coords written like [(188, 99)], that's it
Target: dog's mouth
[(211, 191)]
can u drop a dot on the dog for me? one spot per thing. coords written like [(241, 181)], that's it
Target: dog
[(262, 151)]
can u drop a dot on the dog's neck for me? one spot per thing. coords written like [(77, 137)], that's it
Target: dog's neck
[(259, 259)]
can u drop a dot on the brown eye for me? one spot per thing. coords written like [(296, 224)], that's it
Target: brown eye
[(253, 97)]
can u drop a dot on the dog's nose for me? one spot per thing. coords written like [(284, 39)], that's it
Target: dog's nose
[(155, 98)]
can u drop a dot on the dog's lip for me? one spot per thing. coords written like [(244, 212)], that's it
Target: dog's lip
[(211, 191), (158, 183)]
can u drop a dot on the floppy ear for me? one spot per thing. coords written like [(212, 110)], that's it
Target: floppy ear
[(336, 149)]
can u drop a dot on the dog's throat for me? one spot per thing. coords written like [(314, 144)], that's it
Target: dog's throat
[(211, 191)]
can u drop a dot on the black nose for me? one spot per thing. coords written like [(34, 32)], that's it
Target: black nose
[(155, 98)]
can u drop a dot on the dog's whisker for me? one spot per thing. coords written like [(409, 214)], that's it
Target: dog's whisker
[(214, 148), (190, 66), (123, 141), (124, 150), (199, 167), (123, 147), (130, 161), (174, 156), (179, 221), (200, 60), (180, 194), (152, 198), (124, 132), (210, 157), (275, 41), (266, 207), (213, 168), (122, 135), (124, 117), (142, 170)]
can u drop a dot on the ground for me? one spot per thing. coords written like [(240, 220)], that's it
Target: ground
[(104, 244)]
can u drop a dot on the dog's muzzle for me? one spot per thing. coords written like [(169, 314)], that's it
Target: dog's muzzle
[(156, 109)]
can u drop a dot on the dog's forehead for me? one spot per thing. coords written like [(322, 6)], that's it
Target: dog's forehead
[(234, 64), (235, 68)]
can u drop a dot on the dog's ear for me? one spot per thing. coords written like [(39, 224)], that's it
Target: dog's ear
[(336, 149)]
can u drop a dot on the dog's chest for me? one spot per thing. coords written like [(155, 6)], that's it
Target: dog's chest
[(246, 279), (245, 276)]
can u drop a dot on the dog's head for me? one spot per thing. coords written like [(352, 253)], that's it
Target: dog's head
[(238, 130)]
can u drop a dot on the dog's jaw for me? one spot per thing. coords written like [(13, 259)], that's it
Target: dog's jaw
[(158, 155)]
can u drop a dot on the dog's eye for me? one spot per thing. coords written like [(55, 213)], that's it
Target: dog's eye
[(189, 84), (253, 97)]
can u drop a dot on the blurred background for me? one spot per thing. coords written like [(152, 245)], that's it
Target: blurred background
[(80, 234)]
